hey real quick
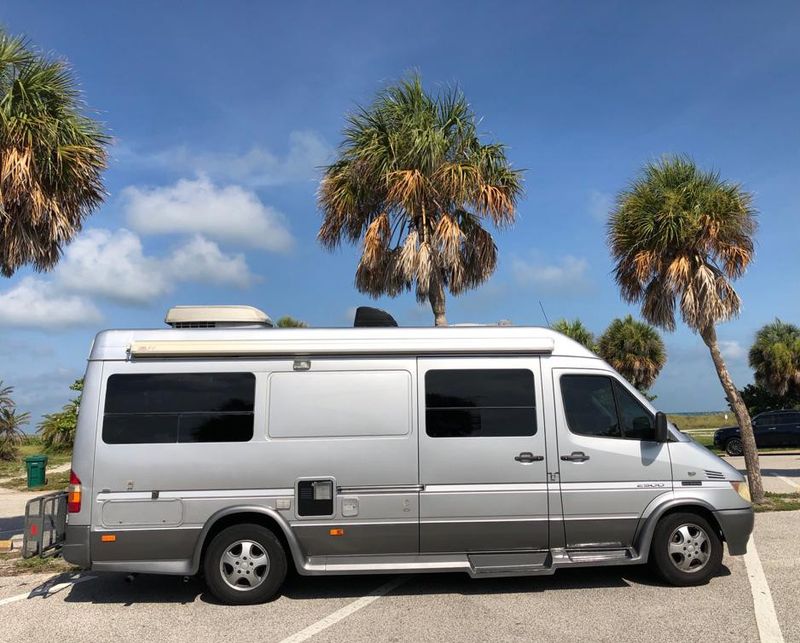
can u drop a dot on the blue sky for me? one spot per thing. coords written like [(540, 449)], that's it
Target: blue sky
[(222, 113)]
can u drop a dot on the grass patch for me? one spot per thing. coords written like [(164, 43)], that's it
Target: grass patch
[(55, 482), (32, 446), (704, 421), (779, 502), (13, 565)]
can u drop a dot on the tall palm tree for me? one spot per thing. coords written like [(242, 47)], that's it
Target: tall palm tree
[(775, 358), (679, 236), (577, 331), (415, 184), (635, 350), (51, 158)]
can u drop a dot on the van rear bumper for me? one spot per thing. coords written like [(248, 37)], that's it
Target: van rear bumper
[(75, 549), (736, 525)]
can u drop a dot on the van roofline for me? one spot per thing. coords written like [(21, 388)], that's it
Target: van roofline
[(286, 342)]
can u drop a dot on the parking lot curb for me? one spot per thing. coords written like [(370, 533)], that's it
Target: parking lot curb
[(6, 545)]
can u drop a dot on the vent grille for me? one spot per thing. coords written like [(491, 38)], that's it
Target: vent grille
[(715, 475), (197, 324)]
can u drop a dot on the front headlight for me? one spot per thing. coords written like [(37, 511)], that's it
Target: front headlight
[(742, 489)]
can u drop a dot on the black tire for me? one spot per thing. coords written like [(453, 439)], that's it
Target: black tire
[(260, 565), (734, 447), (680, 560)]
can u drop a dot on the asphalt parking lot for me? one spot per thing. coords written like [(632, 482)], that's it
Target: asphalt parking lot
[(619, 604)]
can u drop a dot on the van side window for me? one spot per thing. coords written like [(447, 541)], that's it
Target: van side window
[(589, 405), (599, 406), (637, 423), (179, 407), (479, 403)]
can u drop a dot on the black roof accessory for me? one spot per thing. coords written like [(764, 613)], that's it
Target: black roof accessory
[(367, 316)]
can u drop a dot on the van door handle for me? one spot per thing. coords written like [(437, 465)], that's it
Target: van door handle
[(527, 457), (575, 456)]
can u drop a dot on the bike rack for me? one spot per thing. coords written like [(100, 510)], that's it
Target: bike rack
[(45, 524)]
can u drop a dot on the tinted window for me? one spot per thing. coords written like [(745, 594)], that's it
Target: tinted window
[(479, 403), (589, 405), (179, 407), (765, 419), (637, 423), (787, 418)]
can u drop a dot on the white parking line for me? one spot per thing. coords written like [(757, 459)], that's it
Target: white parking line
[(46, 592), (769, 630), (344, 612)]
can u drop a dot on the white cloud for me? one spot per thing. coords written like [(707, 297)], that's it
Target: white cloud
[(732, 350), (259, 167), (201, 260), (113, 265), (35, 303), (566, 276), (231, 213), (600, 204)]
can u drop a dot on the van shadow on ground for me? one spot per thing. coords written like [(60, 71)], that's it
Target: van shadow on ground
[(114, 589), (11, 526)]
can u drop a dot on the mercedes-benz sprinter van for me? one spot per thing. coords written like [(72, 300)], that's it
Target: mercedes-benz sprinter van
[(226, 447)]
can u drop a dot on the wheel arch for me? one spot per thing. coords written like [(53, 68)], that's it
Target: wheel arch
[(264, 516), (662, 508)]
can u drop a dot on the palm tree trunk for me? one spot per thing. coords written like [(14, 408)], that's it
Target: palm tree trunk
[(751, 462), (436, 297)]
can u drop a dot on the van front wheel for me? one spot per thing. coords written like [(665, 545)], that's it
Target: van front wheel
[(244, 564), (686, 549)]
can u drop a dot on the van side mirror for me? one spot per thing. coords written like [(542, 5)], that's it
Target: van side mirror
[(662, 430)]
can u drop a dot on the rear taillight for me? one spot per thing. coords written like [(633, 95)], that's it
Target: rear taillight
[(74, 493)]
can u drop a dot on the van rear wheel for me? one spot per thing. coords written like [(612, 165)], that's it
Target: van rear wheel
[(686, 549), (244, 564)]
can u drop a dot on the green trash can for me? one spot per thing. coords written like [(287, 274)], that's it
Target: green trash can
[(36, 466)]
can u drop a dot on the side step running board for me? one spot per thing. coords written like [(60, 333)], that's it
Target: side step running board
[(514, 564)]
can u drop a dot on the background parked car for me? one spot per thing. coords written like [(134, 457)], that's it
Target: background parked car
[(771, 428)]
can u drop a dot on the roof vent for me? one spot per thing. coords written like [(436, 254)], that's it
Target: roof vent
[(217, 317)]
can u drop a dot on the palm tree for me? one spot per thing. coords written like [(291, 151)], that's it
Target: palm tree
[(775, 358), (635, 350), (414, 181), (290, 322), (577, 331), (5, 395), (51, 158), (58, 429), (679, 236), (11, 424)]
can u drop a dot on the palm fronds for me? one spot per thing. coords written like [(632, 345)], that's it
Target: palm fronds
[(678, 236), (414, 184), (51, 157), (635, 350)]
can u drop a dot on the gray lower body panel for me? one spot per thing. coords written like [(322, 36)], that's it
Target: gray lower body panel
[(144, 545), (736, 525), (365, 539), (76, 548), (600, 533), (483, 535)]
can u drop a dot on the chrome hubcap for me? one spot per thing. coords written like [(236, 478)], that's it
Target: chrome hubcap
[(689, 548), (244, 565)]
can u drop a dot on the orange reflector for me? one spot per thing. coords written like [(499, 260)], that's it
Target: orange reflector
[(108, 538), (336, 532)]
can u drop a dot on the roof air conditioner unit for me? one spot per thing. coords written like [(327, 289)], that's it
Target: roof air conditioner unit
[(217, 317)]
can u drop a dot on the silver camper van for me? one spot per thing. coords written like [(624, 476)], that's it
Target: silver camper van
[(228, 448)]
